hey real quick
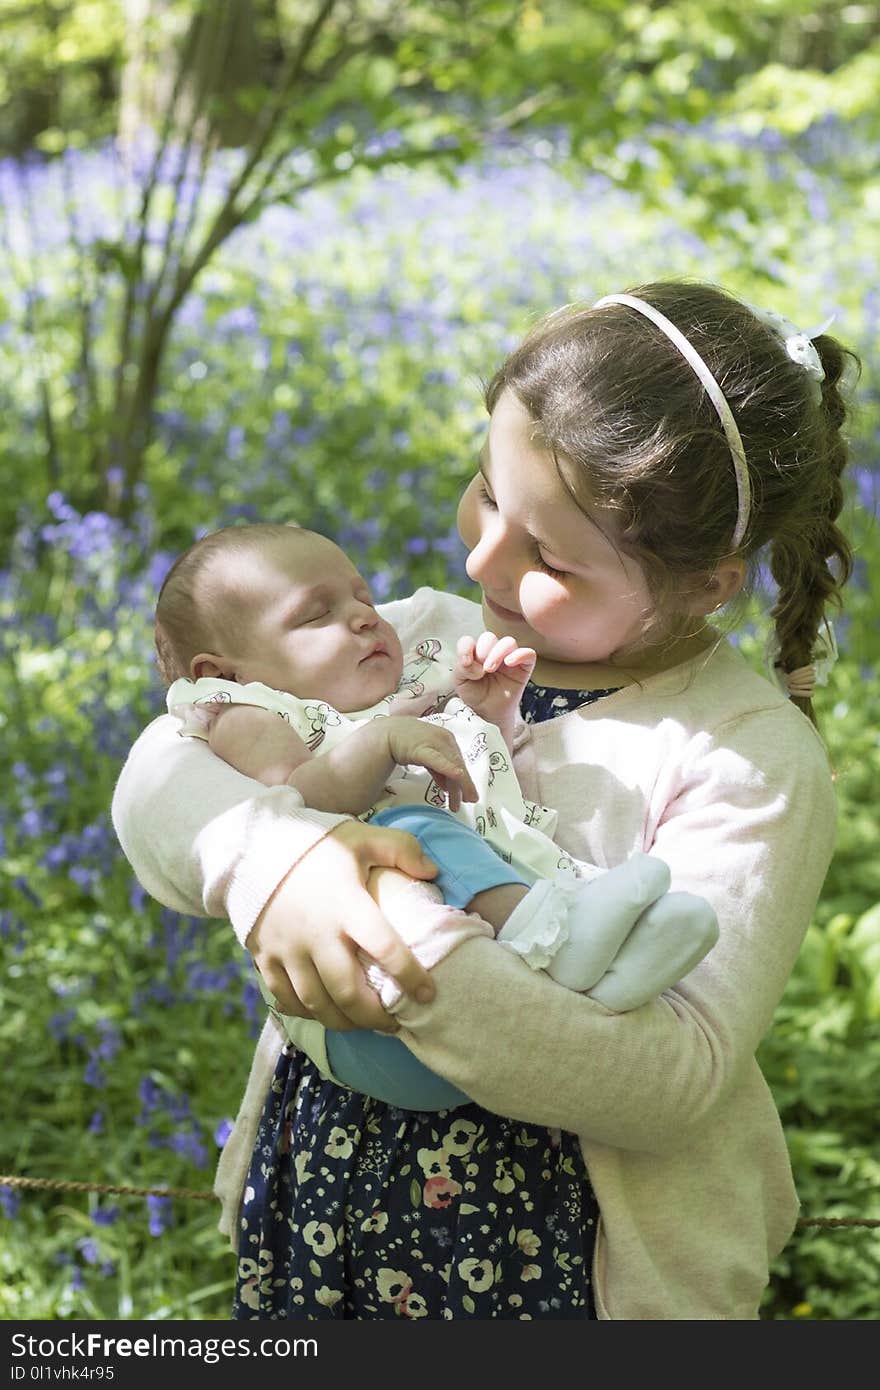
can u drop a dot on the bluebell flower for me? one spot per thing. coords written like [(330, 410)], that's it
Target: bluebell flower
[(88, 1248), (160, 1214), (222, 1133), (93, 1075), (188, 1143), (59, 1024), (10, 1201), (105, 1216)]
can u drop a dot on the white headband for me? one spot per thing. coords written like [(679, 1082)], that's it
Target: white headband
[(716, 396), (799, 347)]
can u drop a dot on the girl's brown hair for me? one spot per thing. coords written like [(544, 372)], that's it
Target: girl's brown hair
[(633, 434)]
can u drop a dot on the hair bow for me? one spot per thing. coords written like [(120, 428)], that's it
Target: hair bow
[(800, 684), (798, 343)]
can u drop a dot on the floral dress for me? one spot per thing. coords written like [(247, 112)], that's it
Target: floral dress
[(356, 1209)]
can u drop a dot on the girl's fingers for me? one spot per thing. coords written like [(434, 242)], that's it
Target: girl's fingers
[(375, 937), (307, 998), (342, 974), (385, 848)]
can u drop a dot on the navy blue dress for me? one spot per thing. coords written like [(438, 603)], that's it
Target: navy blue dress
[(356, 1209)]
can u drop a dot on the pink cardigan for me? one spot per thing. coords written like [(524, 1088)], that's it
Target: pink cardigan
[(708, 766)]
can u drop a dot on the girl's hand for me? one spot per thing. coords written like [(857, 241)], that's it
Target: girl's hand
[(489, 676), (305, 940), (413, 741)]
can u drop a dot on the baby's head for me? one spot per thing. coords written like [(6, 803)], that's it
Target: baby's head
[(278, 605)]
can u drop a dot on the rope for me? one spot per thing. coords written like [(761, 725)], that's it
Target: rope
[(205, 1195), (56, 1185)]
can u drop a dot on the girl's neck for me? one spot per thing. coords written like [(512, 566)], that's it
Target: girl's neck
[(626, 670)]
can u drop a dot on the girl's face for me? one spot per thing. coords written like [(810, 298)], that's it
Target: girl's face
[(549, 576)]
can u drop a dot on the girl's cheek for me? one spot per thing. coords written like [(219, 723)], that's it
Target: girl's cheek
[(542, 598)]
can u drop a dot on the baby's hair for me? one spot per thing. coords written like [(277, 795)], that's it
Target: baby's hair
[(193, 588), (633, 434)]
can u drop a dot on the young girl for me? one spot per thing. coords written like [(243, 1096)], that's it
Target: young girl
[(641, 454)]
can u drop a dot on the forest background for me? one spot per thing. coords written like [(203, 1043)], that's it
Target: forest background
[(256, 257)]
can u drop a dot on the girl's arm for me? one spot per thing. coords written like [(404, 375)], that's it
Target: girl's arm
[(750, 827), (204, 839), (735, 832)]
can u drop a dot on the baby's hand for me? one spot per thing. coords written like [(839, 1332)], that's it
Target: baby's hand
[(489, 676), (427, 745)]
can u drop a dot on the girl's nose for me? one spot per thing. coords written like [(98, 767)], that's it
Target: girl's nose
[(486, 562)]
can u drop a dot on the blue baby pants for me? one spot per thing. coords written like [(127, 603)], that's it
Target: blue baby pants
[(377, 1064)]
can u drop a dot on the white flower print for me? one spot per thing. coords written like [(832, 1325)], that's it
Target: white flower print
[(320, 1237), (528, 1242), (531, 1272), (327, 1297), (301, 1166), (338, 1145), (503, 1180), (393, 1285), (414, 1306), (459, 1138), (478, 1274), (376, 1221), (434, 1163)]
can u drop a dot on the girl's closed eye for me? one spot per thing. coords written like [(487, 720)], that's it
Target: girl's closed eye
[(547, 568), (540, 563), (484, 497)]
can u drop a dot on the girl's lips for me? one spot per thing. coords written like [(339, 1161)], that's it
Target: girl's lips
[(379, 650)]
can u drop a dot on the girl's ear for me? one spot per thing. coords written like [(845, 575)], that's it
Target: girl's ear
[(210, 664), (722, 585)]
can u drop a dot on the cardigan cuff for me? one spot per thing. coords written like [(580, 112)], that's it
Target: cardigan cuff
[(276, 846)]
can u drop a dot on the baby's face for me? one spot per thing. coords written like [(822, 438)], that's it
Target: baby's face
[(313, 630)]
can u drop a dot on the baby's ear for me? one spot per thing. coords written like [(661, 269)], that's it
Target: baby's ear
[(210, 664)]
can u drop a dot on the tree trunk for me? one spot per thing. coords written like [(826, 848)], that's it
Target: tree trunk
[(223, 38)]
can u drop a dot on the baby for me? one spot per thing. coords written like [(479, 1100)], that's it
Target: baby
[(256, 622)]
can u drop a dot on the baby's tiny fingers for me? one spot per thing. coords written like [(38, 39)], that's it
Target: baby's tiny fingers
[(496, 656), (464, 649), (521, 656), (484, 644)]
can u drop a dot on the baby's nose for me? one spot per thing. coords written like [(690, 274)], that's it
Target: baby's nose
[(363, 616)]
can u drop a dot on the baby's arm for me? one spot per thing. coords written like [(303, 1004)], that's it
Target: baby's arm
[(489, 676), (259, 743), (348, 778)]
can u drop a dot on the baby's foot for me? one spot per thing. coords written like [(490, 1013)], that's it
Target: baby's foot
[(665, 944), (575, 929)]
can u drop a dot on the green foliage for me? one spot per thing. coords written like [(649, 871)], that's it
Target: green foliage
[(822, 1058), (326, 367)]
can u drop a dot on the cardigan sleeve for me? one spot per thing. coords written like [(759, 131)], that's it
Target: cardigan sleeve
[(748, 821), (201, 837), (206, 840)]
